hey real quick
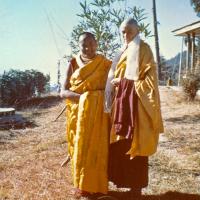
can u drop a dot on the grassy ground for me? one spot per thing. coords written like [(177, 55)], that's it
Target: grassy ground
[(30, 158)]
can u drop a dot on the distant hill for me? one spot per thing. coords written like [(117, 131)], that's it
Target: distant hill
[(170, 67), (176, 60)]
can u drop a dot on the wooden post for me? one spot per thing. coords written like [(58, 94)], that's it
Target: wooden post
[(58, 77), (193, 52), (188, 54), (180, 63)]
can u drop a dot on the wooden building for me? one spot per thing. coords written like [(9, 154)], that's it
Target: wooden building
[(189, 33)]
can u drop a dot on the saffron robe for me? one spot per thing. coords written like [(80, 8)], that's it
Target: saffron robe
[(148, 122), (88, 126)]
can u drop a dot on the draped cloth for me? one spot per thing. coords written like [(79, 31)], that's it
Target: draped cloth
[(123, 171), (125, 108), (88, 126), (148, 123)]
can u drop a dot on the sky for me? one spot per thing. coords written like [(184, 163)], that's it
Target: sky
[(34, 34)]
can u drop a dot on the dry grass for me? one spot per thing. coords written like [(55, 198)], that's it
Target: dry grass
[(30, 159)]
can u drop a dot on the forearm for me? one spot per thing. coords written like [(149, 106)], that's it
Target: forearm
[(69, 94)]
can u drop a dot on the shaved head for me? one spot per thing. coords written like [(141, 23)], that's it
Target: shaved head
[(86, 35), (129, 29), (129, 22)]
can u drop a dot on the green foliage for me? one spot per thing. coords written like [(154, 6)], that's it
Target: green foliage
[(103, 18), (16, 85), (196, 6), (191, 84)]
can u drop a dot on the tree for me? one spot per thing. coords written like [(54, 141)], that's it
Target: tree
[(40, 81), (103, 18), (19, 85), (196, 5)]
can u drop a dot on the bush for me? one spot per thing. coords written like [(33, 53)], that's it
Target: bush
[(191, 84), (16, 85)]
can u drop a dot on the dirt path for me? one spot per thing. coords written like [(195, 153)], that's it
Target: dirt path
[(30, 159)]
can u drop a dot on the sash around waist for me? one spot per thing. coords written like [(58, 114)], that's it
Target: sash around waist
[(88, 95)]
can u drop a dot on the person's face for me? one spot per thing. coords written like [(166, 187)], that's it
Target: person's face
[(87, 46), (128, 32)]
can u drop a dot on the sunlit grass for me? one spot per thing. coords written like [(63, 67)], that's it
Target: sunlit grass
[(30, 159)]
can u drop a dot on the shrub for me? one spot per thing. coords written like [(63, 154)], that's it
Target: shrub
[(16, 85), (191, 84)]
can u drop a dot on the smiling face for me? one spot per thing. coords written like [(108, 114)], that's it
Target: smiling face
[(87, 46), (129, 31)]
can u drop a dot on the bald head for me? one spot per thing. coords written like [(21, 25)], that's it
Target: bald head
[(129, 29)]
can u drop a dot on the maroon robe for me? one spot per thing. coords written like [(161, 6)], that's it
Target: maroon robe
[(122, 171)]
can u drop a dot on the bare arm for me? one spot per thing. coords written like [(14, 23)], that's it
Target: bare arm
[(65, 92)]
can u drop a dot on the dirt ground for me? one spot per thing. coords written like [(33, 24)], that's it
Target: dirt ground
[(30, 159)]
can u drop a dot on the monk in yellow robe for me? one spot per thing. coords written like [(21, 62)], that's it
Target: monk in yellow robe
[(87, 123), (136, 113)]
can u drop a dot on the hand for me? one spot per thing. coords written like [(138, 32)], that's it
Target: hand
[(70, 95), (115, 81)]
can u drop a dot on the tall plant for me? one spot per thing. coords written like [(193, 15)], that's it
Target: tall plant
[(103, 18)]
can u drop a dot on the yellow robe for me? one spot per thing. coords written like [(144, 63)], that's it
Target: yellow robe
[(148, 120), (88, 127)]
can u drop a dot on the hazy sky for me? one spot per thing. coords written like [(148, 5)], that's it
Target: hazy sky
[(26, 38)]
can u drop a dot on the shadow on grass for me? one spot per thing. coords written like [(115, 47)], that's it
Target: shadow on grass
[(185, 119), (16, 121), (31, 107), (166, 196), (172, 196), (38, 102)]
